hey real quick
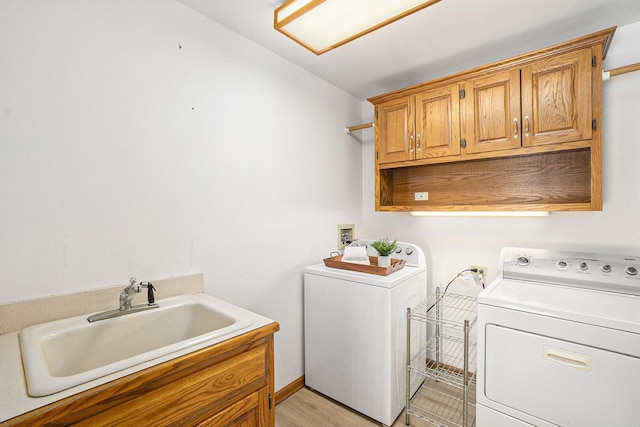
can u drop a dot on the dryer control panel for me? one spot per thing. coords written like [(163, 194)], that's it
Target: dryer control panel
[(603, 272)]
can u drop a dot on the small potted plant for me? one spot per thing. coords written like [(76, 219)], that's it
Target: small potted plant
[(385, 248)]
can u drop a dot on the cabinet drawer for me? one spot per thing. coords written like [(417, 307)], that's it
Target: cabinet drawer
[(194, 397)]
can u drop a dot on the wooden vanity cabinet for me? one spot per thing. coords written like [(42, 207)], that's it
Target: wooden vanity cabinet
[(518, 134), (227, 384)]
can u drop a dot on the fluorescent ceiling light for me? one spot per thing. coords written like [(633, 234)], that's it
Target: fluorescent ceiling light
[(478, 213), (322, 25)]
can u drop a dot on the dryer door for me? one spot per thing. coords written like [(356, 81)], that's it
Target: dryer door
[(558, 381)]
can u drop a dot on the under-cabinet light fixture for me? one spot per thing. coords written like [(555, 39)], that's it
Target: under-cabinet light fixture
[(322, 25), (481, 213)]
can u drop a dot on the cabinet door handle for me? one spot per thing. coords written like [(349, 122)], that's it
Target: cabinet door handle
[(526, 125), (515, 128), (411, 143), (418, 143)]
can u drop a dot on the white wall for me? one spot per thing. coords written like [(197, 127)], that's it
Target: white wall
[(140, 138), (454, 243)]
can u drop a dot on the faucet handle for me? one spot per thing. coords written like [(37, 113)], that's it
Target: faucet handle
[(150, 296)]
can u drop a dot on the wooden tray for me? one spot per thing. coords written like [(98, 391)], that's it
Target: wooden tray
[(336, 262)]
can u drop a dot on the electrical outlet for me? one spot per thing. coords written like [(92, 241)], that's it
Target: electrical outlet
[(346, 234), (481, 269)]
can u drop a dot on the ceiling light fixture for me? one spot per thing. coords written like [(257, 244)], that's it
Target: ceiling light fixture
[(322, 25)]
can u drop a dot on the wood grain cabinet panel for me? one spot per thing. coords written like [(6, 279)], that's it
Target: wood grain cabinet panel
[(438, 122), (248, 412), (557, 99), (492, 112), (394, 127)]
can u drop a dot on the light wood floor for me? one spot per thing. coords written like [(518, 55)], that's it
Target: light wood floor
[(306, 408)]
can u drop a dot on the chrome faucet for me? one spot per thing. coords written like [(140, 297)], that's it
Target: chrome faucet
[(126, 296)]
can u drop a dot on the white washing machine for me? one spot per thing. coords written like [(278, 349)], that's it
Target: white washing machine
[(559, 341), (354, 329)]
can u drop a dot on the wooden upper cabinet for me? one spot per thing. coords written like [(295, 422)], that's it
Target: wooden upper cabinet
[(492, 112), (438, 122), (518, 134), (545, 102), (556, 99), (394, 130)]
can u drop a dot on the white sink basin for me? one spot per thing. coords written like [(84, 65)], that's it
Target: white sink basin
[(64, 353)]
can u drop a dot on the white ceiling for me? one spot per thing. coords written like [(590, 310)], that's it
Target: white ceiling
[(450, 36)]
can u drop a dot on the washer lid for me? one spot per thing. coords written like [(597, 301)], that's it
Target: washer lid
[(389, 281), (608, 309)]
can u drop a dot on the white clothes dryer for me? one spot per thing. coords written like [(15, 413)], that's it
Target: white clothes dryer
[(559, 341)]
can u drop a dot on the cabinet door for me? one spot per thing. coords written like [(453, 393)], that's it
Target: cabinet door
[(556, 99), (492, 112), (247, 412), (394, 130), (438, 122)]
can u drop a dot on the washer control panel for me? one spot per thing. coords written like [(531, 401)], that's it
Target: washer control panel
[(603, 272), (407, 251)]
